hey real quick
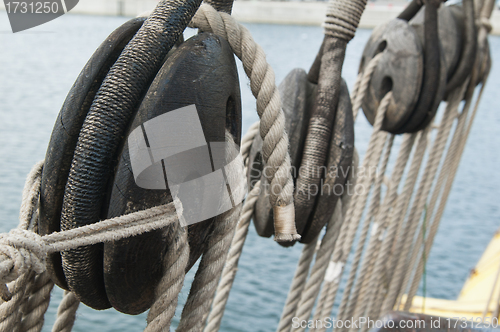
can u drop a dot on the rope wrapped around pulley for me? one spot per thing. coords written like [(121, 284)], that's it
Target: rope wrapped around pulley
[(320, 124)]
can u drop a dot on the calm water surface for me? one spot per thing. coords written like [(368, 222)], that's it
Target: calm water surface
[(38, 67)]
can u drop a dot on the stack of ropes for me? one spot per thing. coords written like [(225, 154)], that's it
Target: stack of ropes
[(389, 223)]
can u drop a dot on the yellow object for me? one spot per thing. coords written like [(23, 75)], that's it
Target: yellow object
[(476, 292)]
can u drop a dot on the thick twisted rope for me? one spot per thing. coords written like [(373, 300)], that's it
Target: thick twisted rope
[(36, 304), (163, 309), (66, 313), (272, 125)]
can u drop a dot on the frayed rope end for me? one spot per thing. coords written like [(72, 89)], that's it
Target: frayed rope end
[(284, 224)]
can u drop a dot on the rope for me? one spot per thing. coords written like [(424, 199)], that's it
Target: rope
[(372, 211), (66, 313), (431, 171), (36, 304), (330, 286), (298, 284), (348, 234), (167, 291), (207, 276), (390, 197), (444, 182), (330, 245), (402, 246), (323, 256), (272, 125), (23, 252), (10, 315), (363, 82), (231, 267)]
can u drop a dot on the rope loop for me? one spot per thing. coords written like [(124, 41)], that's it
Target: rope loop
[(272, 124)]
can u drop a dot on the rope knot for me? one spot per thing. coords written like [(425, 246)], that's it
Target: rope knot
[(20, 252)]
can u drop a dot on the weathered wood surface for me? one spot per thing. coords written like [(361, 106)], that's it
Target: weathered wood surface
[(65, 135), (298, 94), (202, 71), (400, 70)]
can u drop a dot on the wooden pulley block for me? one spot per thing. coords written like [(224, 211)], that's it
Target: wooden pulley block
[(123, 274), (296, 97), (337, 168), (449, 45), (201, 72), (399, 70), (450, 31), (65, 135)]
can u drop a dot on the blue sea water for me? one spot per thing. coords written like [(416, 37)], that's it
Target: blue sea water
[(38, 67)]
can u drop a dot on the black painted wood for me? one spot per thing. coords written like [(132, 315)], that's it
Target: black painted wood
[(102, 133), (202, 71), (65, 135)]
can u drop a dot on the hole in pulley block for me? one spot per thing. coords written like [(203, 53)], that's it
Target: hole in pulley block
[(381, 47), (385, 86)]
